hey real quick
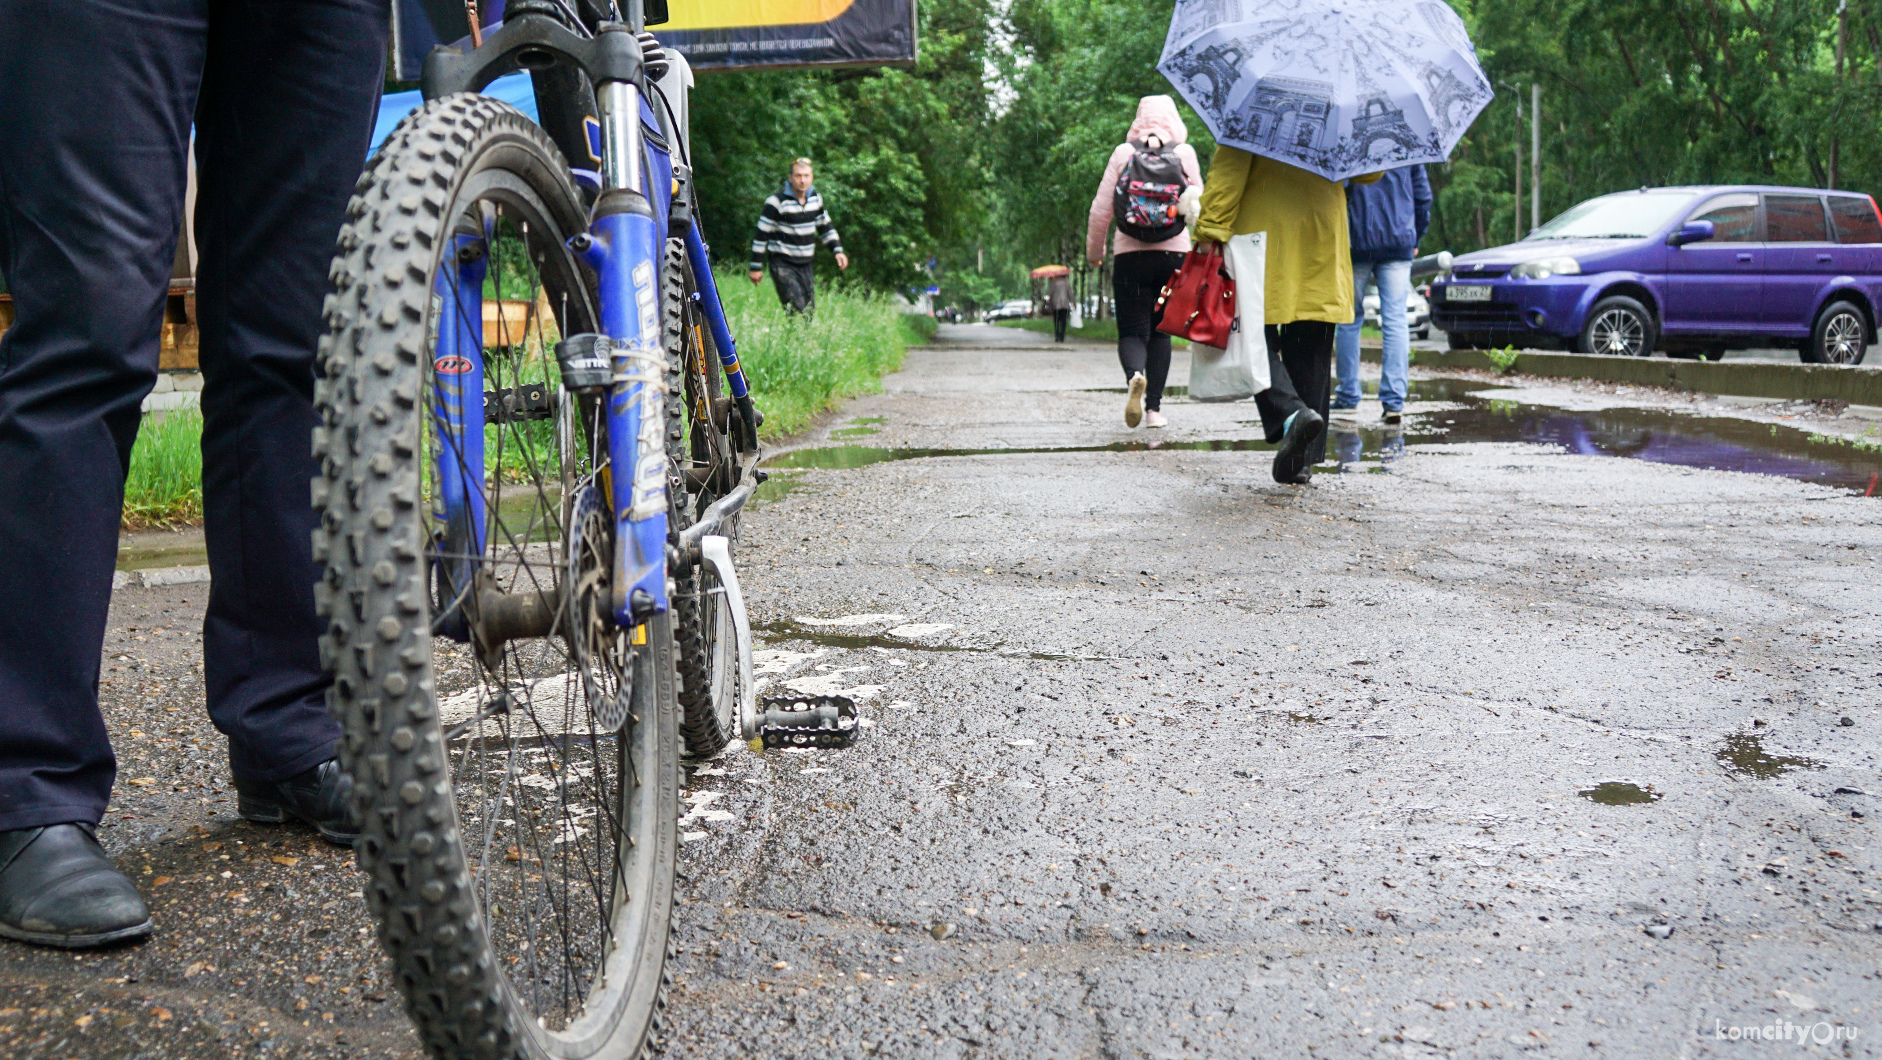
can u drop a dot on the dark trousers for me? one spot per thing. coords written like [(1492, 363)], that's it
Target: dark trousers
[(1061, 319), (1136, 280), (796, 282), (95, 115), (1300, 376)]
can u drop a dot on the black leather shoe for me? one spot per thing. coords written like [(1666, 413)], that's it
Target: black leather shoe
[(321, 796), (1291, 458), (57, 888)]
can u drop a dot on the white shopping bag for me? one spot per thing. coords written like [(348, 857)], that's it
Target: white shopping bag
[(1241, 370), (1078, 317)]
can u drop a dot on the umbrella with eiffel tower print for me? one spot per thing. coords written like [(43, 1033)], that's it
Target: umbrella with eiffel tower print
[(1336, 87)]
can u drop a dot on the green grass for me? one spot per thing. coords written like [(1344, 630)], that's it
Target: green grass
[(801, 368), (798, 370), (165, 485)]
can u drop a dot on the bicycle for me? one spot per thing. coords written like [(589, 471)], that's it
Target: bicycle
[(527, 526)]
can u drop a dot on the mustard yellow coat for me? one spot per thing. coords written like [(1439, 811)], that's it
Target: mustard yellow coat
[(1310, 265)]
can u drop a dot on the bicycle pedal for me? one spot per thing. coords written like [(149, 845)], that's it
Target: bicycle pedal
[(809, 721)]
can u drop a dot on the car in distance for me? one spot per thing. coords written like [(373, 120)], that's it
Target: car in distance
[(1694, 271), (1011, 309), (1417, 311)]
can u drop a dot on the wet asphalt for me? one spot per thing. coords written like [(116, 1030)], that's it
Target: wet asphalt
[(1477, 748)]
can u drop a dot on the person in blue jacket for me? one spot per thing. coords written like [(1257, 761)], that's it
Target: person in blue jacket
[(1387, 221)]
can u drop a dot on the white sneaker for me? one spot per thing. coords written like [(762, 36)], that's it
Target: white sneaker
[(1153, 418), (1134, 404)]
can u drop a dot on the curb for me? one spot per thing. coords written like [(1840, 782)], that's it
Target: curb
[(157, 577), (1759, 379)]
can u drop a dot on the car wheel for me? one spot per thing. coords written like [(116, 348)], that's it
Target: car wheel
[(1840, 337), (1457, 340), (1421, 334), (1619, 326), (1715, 353)]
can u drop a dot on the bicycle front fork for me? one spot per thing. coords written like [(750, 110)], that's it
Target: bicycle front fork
[(622, 245)]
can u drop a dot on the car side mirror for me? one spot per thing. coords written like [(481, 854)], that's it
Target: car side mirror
[(1690, 232)]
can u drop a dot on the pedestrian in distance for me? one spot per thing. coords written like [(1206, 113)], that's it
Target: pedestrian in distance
[(96, 111), (1309, 285), (1143, 184), (1059, 304), (1386, 221), (791, 224)]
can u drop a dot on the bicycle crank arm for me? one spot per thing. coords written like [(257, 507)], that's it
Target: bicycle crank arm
[(717, 551)]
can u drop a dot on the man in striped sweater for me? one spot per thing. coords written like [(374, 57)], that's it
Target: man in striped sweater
[(791, 225)]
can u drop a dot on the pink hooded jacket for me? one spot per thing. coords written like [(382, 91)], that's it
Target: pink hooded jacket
[(1155, 115)]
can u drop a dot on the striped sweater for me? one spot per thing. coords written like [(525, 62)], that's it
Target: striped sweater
[(791, 230)]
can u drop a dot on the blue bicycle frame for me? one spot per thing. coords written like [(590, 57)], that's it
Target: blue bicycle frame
[(627, 229)]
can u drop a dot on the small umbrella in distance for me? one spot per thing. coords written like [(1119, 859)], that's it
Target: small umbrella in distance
[(1336, 87)]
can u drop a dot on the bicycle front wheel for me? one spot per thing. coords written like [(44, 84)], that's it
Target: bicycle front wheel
[(514, 753)]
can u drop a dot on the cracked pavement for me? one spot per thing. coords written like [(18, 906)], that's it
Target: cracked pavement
[(1175, 761)]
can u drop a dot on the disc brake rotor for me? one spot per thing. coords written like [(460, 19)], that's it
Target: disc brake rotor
[(598, 645)]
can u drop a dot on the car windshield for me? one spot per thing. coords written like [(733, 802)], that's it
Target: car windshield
[(1628, 215)]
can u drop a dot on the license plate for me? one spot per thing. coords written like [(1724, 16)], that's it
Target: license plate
[(1466, 294)]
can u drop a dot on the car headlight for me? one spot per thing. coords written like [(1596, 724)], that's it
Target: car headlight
[(1545, 268)]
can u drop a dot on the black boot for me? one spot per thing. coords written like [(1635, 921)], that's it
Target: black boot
[(321, 796), (57, 888), (1292, 457)]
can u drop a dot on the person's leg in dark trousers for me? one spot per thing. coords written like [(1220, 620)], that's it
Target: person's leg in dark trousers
[(95, 115), (796, 282), (270, 199), (1137, 278), (1300, 372), (1060, 319)]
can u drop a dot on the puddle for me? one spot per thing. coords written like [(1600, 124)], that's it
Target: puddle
[(1616, 793), (1658, 436), (779, 485), (1654, 435), (162, 548), (858, 641), (1744, 754), (1168, 391), (850, 457)]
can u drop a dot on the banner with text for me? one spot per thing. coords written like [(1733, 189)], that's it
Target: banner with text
[(733, 34), (712, 34)]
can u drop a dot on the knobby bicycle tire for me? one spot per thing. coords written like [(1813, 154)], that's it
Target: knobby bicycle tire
[(468, 989), (709, 686)]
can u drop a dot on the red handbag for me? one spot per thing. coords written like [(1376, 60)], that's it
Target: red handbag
[(1199, 301)]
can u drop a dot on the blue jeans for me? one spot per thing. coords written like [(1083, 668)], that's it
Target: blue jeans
[(1394, 280)]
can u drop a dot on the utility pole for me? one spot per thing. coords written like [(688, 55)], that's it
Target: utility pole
[(1517, 212), (1535, 156), (1842, 33)]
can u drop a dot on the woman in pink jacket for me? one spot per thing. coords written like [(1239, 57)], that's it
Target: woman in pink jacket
[(1140, 269)]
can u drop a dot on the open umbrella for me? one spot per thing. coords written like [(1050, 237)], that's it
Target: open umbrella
[(1051, 270), (1336, 87)]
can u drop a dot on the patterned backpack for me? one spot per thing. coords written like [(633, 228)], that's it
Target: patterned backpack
[(1144, 202)]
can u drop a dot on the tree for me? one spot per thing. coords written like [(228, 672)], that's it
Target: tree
[(898, 152)]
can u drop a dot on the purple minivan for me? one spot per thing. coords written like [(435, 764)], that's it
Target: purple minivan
[(1693, 271)]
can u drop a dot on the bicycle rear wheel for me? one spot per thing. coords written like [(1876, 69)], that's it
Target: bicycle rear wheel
[(709, 674), (514, 753)]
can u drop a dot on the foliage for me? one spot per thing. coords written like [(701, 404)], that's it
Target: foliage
[(1076, 70), (1504, 358), (898, 152), (165, 484), (1683, 92), (801, 367)]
